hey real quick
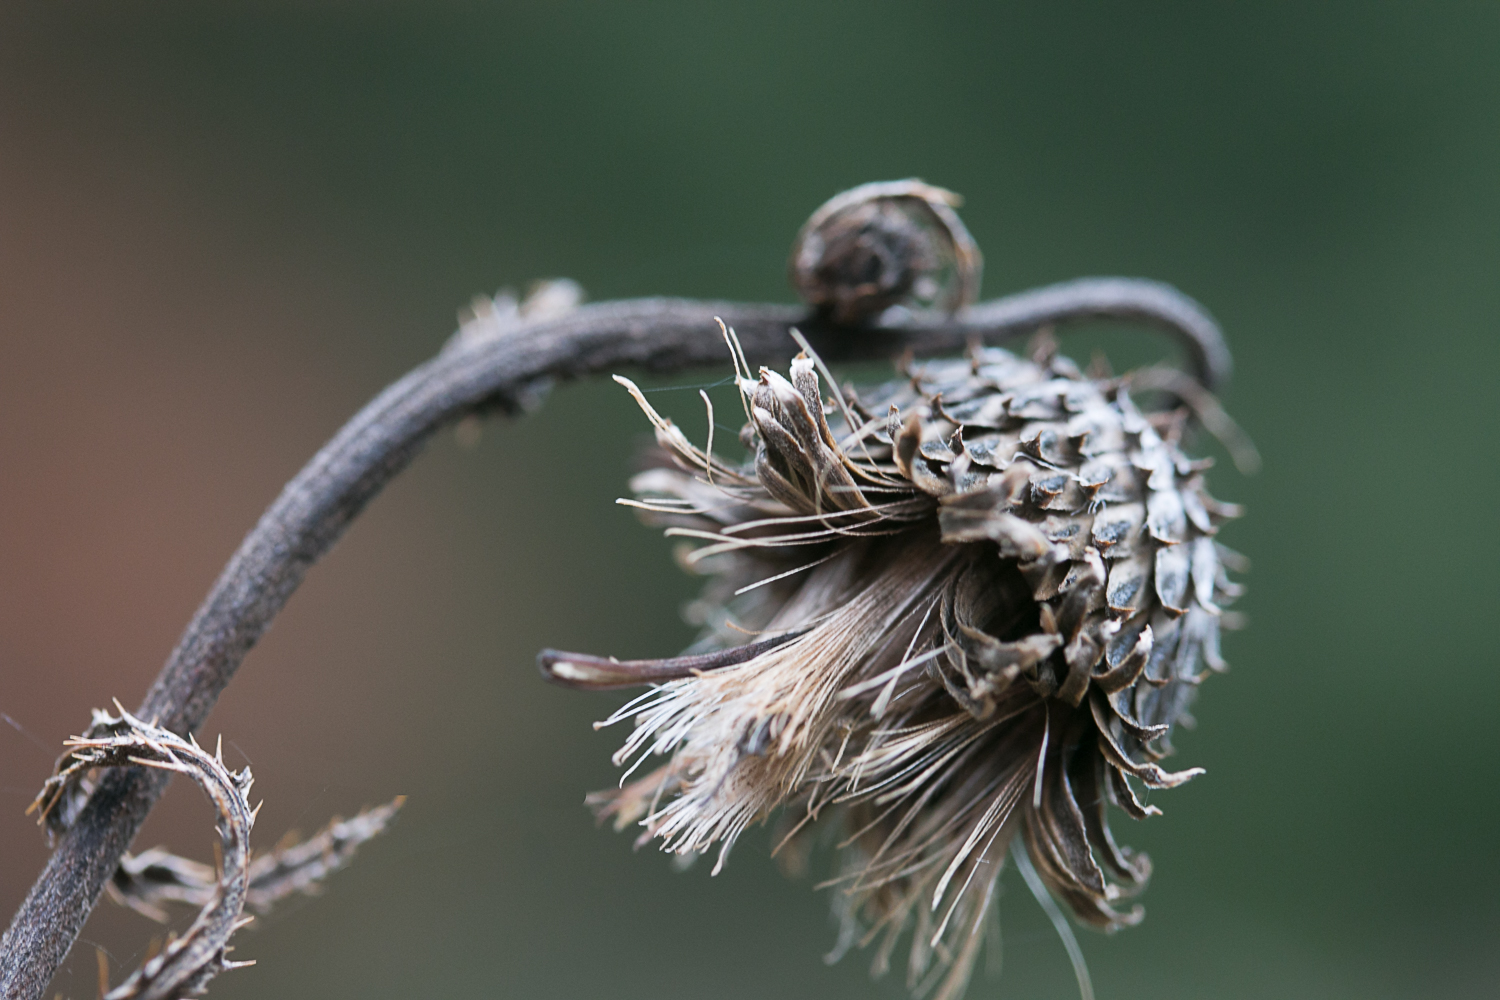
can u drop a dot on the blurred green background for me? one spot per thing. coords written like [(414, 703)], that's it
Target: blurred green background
[(223, 227)]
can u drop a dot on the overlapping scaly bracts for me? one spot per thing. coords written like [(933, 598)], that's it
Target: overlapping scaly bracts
[(950, 611)]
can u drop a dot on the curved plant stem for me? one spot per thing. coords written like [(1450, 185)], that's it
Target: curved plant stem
[(499, 372)]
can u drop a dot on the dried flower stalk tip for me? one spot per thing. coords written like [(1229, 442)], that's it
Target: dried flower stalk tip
[(979, 599), (145, 882), (885, 244)]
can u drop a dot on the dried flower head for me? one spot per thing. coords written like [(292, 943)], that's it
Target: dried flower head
[(947, 613)]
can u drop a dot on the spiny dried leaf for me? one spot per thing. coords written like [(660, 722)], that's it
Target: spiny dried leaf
[(154, 878), (184, 967), (145, 882)]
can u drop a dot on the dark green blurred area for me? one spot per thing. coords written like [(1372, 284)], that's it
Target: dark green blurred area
[(1326, 181)]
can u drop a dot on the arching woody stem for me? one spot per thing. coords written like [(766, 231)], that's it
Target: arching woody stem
[(501, 370)]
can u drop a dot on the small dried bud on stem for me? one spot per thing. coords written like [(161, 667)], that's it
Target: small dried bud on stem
[(886, 244)]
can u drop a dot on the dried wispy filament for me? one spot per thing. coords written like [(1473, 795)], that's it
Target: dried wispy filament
[(947, 613)]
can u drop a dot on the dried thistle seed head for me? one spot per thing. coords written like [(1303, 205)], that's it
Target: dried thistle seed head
[(885, 244), (947, 613)]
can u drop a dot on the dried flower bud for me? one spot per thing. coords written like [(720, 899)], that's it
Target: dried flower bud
[(948, 613), (885, 244)]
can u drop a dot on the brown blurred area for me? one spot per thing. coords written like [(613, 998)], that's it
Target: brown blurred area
[(164, 366), (168, 357)]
